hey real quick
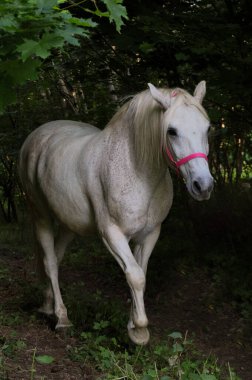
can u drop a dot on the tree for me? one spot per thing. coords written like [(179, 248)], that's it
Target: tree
[(31, 30), (34, 36), (180, 43)]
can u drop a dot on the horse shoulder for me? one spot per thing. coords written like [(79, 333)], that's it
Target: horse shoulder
[(130, 200), (161, 200)]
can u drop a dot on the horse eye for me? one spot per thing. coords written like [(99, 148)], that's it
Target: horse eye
[(172, 132)]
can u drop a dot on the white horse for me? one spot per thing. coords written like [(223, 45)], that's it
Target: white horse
[(115, 181)]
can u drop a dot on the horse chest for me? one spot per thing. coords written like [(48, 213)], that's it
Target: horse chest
[(137, 206)]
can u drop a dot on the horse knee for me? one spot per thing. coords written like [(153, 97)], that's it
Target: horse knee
[(136, 278)]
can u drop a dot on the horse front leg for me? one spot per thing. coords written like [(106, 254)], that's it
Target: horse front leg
[(142, 252), (117, 244), (144, 248)]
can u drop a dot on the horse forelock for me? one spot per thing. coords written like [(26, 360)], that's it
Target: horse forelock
[(144, 116)]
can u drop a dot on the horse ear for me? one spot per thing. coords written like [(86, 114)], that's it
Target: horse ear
[(164, 101), (200, 91)]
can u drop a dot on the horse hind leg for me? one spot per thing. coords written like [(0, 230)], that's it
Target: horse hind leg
[(45, 237), (48, 303), (62, 240)]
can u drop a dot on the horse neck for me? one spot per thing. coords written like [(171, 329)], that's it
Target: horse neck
[(122, 140)]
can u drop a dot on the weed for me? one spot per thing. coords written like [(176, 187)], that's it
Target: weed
[(10, 346), (174, 358), (3, 371), (103, 344), (8, 350), (33, 369), (94, 311), (42, 359)]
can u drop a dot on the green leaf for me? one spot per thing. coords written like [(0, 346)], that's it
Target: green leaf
[(194, 376), (40, 48), (45, 5), (86, 23), (51, 40), (70, 32), (165, 378), (207, 377), (44, 359), (116, 12), (21, 71), (176, 335), (20, 344), (8, 23), (147, 377), (7, 93), (27, 48), (177, 348)]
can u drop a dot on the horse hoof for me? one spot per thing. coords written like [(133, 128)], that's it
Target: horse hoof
[(139, 336), (63, 323)]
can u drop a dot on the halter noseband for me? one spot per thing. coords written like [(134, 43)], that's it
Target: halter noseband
[(185, 159)]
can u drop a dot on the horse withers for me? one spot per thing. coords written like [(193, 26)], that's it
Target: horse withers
[(117, 182)]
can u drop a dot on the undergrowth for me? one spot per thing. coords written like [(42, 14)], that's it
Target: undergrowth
[(218, 244), (172, 358)]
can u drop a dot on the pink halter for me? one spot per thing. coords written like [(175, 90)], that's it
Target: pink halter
[(190, 157), (184, 160)]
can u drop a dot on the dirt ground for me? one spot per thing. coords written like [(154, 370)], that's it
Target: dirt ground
[(186, 301)]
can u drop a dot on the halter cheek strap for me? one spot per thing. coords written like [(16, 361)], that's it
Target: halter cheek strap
[(184, 160)]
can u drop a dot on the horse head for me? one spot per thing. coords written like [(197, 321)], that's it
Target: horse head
[(185, 137)]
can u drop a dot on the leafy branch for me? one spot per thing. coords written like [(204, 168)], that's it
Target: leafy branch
[(31, 30)]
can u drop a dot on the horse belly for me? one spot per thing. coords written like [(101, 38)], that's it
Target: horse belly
[(79, 221), (60, 189), (69, 204)]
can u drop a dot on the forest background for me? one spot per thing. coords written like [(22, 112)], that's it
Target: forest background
[(81, 60)]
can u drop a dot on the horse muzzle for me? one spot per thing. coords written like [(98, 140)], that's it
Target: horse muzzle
[(200, 188)]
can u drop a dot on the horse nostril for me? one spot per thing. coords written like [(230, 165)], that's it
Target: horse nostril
[(197, 186)]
